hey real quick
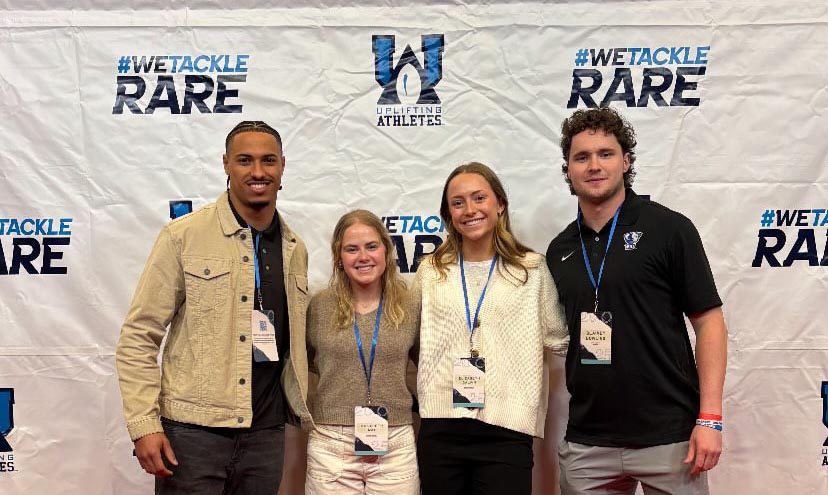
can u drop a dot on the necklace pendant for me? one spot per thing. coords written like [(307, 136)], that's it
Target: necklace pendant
[(475, 353)]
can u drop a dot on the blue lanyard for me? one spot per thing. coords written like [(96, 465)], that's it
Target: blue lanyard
[(473, 323), (257, 277), (369, 368), (595, 283)]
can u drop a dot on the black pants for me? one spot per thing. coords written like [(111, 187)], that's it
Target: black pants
[(466, 456), (223, 461)]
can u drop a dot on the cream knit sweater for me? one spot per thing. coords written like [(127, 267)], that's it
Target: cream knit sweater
[(517, 321)]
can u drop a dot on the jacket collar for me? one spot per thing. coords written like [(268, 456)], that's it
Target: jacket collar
[(230, 226)]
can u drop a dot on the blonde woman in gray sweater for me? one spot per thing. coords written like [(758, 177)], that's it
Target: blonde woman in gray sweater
[(362, 331)]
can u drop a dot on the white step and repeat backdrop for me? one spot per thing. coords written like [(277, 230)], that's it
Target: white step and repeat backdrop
[(111, 118)]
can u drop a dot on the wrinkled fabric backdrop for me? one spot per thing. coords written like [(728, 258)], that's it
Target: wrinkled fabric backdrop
[(113, 119)]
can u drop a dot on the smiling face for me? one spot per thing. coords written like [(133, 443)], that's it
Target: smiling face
[(254, 164), (474, 208), (596, 166), (362, 256)]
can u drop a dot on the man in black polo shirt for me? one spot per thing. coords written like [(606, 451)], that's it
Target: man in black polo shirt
[(627, 271)]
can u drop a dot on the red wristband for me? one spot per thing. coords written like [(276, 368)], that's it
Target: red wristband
[(714, 417)]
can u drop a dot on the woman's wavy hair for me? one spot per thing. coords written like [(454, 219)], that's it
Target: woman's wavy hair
[(393, 287), (510, 251)]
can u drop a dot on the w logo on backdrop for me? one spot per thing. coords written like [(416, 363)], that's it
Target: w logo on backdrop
[(6, 417), (430, 70), (825, 409)]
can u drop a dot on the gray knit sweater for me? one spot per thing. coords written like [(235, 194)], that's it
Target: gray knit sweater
[(334, 358)]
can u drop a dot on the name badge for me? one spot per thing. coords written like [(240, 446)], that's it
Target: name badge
[(469, 383), (370, 430), (596, 338), (264, 336)]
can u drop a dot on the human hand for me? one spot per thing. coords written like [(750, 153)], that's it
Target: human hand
[(705, 449), (149, 450)]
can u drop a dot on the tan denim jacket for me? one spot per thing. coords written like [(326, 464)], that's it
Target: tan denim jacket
[(198, 280)]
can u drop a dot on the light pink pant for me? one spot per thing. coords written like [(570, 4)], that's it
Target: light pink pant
[(334, 468)]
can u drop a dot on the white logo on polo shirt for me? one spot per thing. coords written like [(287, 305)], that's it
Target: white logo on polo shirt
[(631, 240)]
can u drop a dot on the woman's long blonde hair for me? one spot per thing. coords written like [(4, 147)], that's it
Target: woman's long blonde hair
[(393, 287), (510, 251)]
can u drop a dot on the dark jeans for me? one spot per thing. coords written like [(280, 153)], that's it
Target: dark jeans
[(223, 461), (466, 456)]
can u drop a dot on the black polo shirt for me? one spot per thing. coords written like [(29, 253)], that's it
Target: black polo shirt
[(269, 401), (655, 273)]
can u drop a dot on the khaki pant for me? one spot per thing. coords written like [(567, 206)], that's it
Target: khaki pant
[(334, 468), (588, 470)]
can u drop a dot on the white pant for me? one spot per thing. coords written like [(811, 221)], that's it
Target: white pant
[(334, 468)]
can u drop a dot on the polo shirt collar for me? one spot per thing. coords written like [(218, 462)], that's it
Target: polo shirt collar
[(269, 233), (631, 208), (231, 223)]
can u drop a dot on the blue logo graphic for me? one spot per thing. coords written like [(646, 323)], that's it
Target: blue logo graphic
[(6, 417), (180, 208), (825, 409), (430, 71)]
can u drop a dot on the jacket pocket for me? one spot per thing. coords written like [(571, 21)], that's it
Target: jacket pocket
[(300, 303), (301, 283), (207, 283)]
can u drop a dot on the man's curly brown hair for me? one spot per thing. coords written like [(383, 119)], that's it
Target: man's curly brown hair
[(607, 120)]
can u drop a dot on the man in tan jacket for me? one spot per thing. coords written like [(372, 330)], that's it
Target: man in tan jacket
[(227, 285)]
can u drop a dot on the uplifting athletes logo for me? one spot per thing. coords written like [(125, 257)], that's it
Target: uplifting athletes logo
[(791, 236), (413, 234), (6, 417), (6, 426), (209, 83), (825, 422), (35, 245), (408, 97), (638, 76), (180, 207), (631, 240)]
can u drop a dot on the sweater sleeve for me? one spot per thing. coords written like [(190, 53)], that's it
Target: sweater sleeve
[(555, 332)]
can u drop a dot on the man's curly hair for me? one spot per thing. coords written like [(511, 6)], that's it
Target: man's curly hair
[(607, 120)]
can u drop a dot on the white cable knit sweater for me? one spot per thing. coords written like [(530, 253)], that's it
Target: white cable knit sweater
[(516, 323)]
